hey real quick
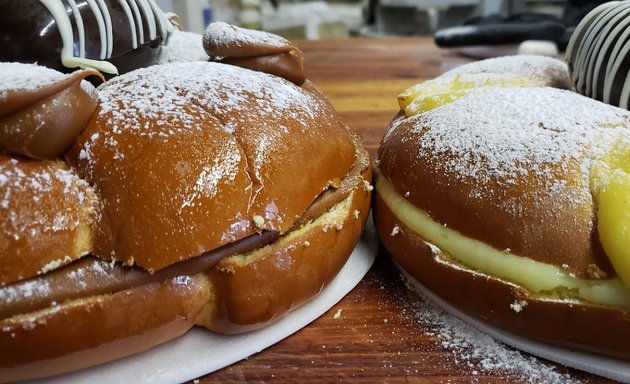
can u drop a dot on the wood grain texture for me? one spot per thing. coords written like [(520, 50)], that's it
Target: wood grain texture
[(377, 333)]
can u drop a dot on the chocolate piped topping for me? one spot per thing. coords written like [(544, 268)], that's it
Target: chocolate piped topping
[(255, 50), (42, 111)]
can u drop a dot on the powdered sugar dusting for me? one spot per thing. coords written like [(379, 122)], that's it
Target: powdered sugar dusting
[(24, 290), (507, 134), (20, 187), (25, 77), (195, 137), (183, 47), (479, 351), (552, 71), (221, 34), (136, 101)]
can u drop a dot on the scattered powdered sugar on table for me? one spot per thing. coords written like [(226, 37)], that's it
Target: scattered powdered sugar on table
[(25, 77), (478, 351)]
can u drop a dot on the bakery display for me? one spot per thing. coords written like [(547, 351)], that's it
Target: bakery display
[(509, 201), (200, 193), (110, 36), (598, 57)]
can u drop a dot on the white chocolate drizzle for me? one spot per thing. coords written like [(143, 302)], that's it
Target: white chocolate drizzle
[(596, 53), (78, 20), (132, 24), (137, 11)]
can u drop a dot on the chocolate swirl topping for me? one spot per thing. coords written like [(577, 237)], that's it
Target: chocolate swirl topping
[(42, 111), (255, 50)]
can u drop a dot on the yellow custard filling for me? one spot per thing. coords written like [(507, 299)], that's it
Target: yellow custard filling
[(433, 93), (611, 189), (549, 281)]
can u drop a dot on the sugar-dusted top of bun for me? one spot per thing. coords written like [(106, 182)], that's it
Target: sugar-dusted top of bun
[(222, 34), (528, 150), (47, 214), (546, 69), (183, 46), (512, 131), (191, 156)]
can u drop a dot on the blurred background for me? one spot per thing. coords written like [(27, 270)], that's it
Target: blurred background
[(316, 19)]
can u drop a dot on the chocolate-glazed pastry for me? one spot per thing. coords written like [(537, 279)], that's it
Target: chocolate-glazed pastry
[(598, 54), (42, 111), (255, 50), (111, 36)]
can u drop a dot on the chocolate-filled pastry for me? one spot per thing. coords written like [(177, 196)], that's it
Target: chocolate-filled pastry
[(42, 111), (511, 202), (256, 50), (110, 36), (223, 197)]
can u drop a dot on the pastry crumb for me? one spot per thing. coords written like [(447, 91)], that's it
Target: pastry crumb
[(337, 314), (518, 305), (259, 221), (395, 230), (367, 186), (228, 269)]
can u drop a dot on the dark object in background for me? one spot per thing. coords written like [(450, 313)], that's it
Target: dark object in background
[(495, 30), (498, 30), (575, 10)]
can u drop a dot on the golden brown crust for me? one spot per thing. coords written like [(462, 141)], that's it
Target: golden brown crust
[(504, 167), (98, 329), (196, 186), (241, 293), (213, 174), (541, 219), (48, 216), (576, 325), (256, 289)]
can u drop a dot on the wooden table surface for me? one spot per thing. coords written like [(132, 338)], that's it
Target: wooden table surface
[(378, 333)]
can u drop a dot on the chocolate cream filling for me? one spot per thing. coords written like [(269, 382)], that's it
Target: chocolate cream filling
[(43, 123), (90, 276), (256, 50)]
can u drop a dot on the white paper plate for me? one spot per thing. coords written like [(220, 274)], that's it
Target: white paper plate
[(599, 365), (200, 352)]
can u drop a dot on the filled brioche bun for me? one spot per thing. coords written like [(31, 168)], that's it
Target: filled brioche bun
[(498, 200), (213, 195)]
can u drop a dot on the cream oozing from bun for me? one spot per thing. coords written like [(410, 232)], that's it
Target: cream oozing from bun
[(502, 185)]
